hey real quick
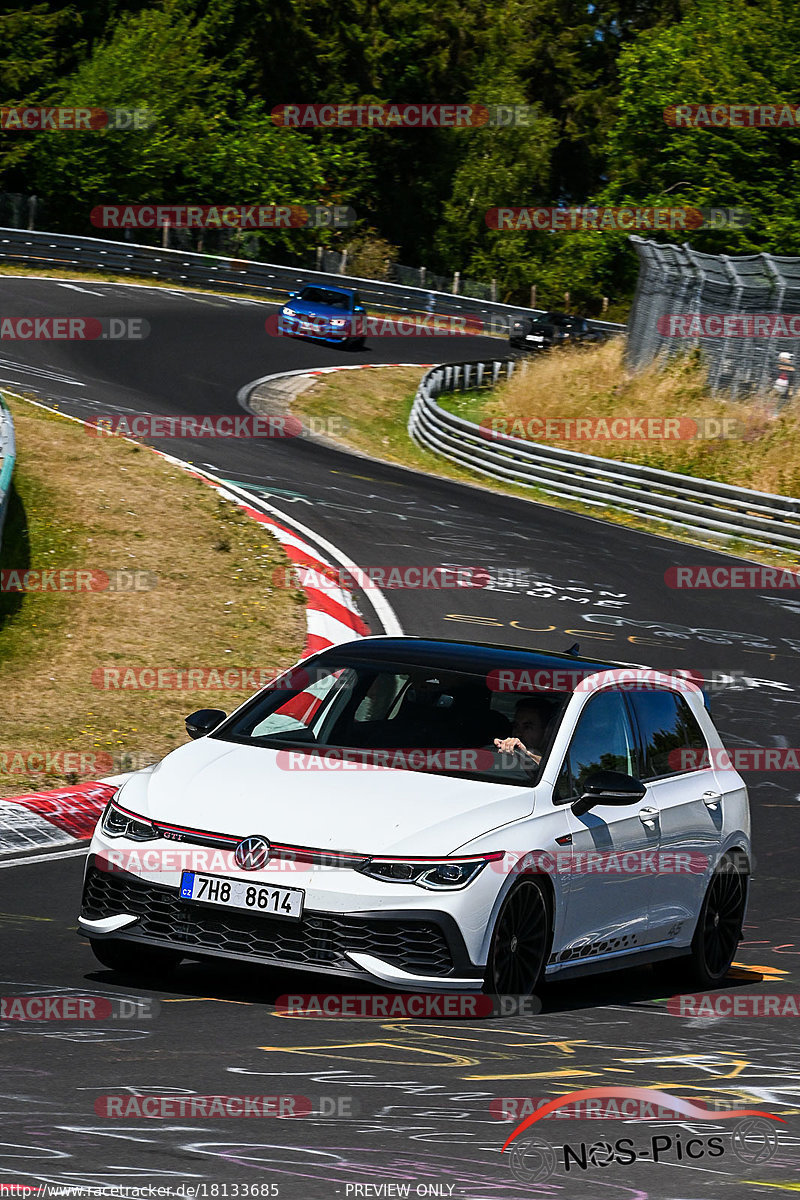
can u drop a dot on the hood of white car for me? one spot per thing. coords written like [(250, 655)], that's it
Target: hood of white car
[(222, 787)]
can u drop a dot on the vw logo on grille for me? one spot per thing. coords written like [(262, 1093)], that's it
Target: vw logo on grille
[(252, 853)]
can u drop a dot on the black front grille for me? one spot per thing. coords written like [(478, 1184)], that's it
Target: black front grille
[(317, 939)]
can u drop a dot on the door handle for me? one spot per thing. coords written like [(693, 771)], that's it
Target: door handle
[(712, 799), (648, 816)]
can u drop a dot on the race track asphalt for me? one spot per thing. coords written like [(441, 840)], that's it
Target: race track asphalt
[(398, 1103)]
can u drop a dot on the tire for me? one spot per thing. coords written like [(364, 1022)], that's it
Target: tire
[(132, 958), (520, 942), (719, 927)]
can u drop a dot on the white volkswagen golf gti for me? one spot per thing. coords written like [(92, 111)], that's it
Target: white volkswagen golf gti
[(431, 815)]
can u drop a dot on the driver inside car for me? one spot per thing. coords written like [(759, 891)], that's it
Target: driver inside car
[(529, 730)]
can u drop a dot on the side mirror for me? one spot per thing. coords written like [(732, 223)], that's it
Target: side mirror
[(203, 721), (609, 787)]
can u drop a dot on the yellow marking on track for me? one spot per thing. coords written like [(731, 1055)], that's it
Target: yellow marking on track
[(767, 972), (21, 917), (570, 1074), (202, 1000), (450, 1060), (785, 1187)]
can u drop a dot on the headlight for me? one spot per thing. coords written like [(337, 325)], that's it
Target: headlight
[(448, 874), (289, 312), (338, 321), (118, 822)]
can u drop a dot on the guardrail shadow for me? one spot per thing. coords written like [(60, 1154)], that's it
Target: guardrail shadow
[(15, 554)]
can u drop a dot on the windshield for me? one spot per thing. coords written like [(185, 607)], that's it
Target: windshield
[(322, 296), (405, 717)]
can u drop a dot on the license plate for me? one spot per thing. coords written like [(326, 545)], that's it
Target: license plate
[(532, 337), (263, 898)]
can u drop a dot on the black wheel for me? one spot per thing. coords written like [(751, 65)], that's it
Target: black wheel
[(719, 927), (131, 958), (521, 941)]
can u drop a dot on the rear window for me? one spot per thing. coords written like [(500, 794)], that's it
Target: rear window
[(666, 724)]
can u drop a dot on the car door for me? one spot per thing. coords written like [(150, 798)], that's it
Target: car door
[(689, 803), (608, 900)]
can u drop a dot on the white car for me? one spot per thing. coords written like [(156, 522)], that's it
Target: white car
[(431, 815)]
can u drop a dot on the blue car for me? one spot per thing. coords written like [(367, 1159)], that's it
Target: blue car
[(329, 314)]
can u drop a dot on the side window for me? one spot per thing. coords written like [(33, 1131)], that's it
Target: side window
[(666, 724), (694, 738), (603, 741)]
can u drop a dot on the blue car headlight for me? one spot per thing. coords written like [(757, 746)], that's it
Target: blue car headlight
[(289, 312)]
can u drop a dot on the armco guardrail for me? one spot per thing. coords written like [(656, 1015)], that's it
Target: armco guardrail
[(7, 456), (268, 280), (698, 506)]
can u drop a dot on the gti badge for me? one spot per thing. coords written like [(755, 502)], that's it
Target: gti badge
[(252, 854)]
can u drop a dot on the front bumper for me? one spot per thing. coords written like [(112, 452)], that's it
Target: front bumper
[(318, 332), (414, 949)]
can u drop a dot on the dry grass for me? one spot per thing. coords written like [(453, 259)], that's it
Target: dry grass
[(377, 405), (106, 504), (764, 453)]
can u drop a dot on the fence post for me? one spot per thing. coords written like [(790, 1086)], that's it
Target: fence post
[(779, 284), (343, 263), (533, 295), (319, 258), (494, 291), (456, 282)]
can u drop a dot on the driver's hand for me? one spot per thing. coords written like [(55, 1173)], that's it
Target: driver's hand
[(510, 744)]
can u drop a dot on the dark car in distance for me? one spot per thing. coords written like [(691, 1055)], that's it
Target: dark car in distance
[(552, 329)]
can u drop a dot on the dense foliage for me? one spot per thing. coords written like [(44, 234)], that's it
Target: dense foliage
[(598, 74)]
